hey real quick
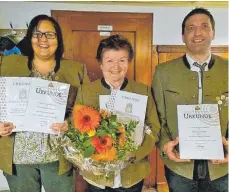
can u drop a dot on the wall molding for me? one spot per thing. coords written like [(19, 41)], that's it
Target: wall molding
[(4, 32), (153, 3), (182, 48)]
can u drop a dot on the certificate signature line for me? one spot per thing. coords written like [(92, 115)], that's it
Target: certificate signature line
[(45, 108), (46, 112)]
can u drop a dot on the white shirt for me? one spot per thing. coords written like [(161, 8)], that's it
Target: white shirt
[(191, 61)]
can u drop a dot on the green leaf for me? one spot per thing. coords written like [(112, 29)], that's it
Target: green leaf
[(101, 133), (113, 123), (104, 123), (89, 151), (87, 143), (81, 137), (113, 117)]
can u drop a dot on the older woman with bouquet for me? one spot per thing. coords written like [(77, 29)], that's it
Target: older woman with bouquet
[(114, 55)]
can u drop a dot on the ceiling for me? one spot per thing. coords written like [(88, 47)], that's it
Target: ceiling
[(206, 4)]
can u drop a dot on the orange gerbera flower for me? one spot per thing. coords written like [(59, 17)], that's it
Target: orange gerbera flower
[(102, 144), (77, 107), (108, 155), (85, 119)]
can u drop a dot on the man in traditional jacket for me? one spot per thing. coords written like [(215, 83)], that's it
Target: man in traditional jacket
[(199, 77)]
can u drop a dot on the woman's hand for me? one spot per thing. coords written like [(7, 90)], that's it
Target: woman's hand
[(60, 128), (6, 128)]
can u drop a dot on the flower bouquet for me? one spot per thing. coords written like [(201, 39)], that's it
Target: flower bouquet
[(97, 142)]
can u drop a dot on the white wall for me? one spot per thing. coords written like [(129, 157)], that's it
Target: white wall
[(166, 25)]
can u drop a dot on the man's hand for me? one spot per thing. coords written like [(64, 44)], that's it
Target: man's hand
[(6, 128), (225, 160), (172, 153)]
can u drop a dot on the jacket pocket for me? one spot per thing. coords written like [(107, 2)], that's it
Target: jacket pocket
[(225, 93), (171, 91), (174, 97)]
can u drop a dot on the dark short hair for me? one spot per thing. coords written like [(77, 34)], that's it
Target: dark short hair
[(115, 42), (199, 10), (32, 26)]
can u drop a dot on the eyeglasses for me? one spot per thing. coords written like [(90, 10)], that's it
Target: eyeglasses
[(48, 35)]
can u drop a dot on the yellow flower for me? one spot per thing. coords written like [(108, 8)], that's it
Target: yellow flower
[(104, 113), (121, 129), (223, 97), (220, 102), (108, 155), (122, 140), (91, 133)]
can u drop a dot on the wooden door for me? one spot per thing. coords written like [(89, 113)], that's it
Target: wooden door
[(81, 39)]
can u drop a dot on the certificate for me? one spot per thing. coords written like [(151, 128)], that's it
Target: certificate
[(103, 99), (199, 132), (132, 106), (17, 95), (32, 104), (129, 106), (46, 106)]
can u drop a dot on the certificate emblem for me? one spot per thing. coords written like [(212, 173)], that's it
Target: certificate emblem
[(51, 85), (60, 91), (23, 94), (128, 108)]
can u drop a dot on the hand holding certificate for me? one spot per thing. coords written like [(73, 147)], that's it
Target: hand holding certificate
[(33, 104), (199, 132)]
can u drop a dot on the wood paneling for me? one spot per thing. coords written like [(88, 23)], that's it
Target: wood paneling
[(155, 58), (166, 53)]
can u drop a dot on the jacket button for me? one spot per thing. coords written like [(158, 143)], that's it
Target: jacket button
[(193, 78), (193, 96)]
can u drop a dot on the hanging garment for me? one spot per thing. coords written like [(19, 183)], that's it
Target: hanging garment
[(12, 51), (6, 43)]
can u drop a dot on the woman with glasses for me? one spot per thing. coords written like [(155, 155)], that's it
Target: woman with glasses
[(30, 159)]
